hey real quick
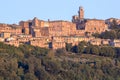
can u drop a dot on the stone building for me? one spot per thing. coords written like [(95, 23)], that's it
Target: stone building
[(40, 42), (54, 34), (115, 43), (39, 28), (12, 29), (25, 26), (95, 42), (36, 32), (61, 28), (95, 26), (13, 43), (79, 17), (89, 25), (5, 34), (57, 45), (74, 40)]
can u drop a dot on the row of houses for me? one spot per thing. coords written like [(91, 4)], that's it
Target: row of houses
[(56, 42)]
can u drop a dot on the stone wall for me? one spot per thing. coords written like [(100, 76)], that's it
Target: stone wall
[(95, 26)]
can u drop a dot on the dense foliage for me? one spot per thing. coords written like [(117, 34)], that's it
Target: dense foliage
[(113, 34), (33, 63), (86, 48)]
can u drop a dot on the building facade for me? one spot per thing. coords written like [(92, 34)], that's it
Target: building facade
[(54, 34)]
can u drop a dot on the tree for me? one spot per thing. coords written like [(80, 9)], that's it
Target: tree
[(68, 46), (118, 35), (30, 76), (75, 49), (52, 66), (95, 50), (81, 47), (60, 51), (107, 51), (109, 35), (88, 50), (111, 51), (51, 54), (102, 51), (96, 35)]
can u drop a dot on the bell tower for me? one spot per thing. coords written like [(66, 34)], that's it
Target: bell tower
[(81, 13)]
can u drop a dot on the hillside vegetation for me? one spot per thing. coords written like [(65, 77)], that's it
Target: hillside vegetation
[(73, 63)]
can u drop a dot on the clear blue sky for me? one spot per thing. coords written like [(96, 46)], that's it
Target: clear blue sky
[(12, 11)]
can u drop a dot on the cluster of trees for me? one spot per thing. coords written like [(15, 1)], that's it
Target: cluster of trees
[(85, 48), (113, 34), (33, 63)]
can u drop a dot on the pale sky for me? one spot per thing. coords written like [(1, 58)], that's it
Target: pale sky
[(13, 11)]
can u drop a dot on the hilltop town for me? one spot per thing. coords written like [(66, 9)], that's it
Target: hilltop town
[(83, 49), (55, 34)]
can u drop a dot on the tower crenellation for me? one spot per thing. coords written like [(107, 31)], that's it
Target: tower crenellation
[(80, 16)]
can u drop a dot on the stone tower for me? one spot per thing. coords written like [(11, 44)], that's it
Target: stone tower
[(35, 22), (81, 13)]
